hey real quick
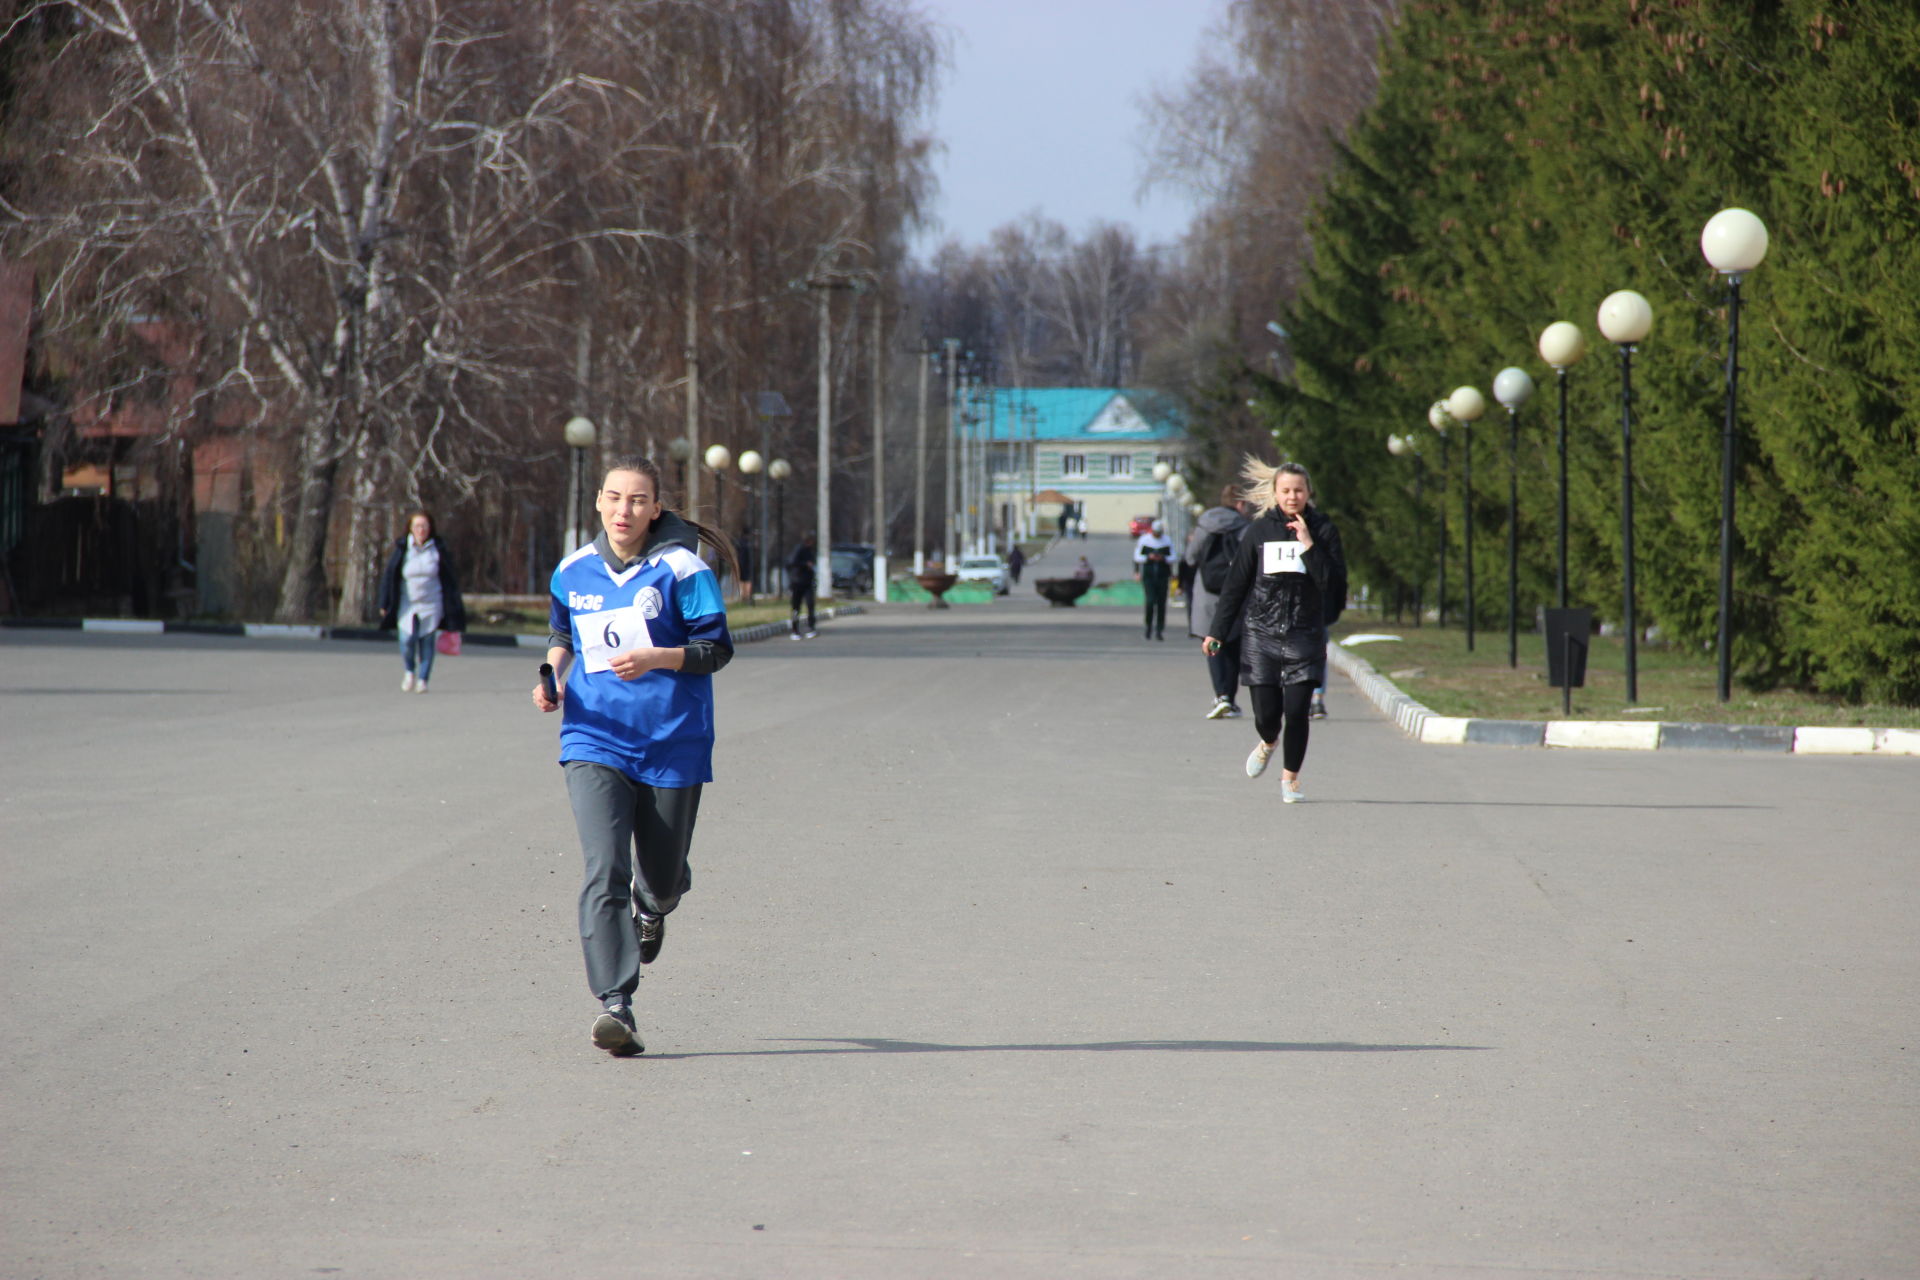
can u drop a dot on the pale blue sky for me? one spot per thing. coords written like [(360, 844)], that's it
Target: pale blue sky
[(1039, 110)]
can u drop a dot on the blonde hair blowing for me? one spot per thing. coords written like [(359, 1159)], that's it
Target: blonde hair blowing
[(1257, 479)]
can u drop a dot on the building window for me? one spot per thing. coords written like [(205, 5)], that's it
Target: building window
[(1120, 466), (1002, 461), (1171, 459), (1073, 464)]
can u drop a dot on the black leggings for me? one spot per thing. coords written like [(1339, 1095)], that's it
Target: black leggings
[(1272, 703)]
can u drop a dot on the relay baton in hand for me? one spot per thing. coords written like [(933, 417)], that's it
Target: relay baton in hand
[(546, 682)]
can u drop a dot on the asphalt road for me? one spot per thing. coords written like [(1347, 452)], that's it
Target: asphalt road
[(995, 965)]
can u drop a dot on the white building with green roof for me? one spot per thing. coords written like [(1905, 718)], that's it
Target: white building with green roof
[(1042, 448)]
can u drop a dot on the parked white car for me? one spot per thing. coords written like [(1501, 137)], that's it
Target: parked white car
[(984, 569)]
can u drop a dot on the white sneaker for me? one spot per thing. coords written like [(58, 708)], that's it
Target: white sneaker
[(1233, 712), (811, 634), (1257, 759), (1218, 709), (406, 683), (1290, 791), (419, 686)]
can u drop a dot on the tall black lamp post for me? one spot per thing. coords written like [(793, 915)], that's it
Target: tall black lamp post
[(1466, 404), (1401, 447), (1625, 319), (1561, 345), (1513, 387), (1734, 241), (1440, 420)]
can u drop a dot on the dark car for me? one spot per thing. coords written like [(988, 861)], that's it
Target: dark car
[(853, 567)]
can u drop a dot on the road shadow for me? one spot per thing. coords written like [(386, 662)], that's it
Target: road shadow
[(855, 1044), (1553, 804)]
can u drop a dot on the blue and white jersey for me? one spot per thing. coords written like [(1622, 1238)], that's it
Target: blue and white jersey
[(657, 729)]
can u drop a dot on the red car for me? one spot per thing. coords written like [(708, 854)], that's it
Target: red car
[(1139, 525)]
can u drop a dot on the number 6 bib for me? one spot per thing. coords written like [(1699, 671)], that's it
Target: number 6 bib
[(610, 632)]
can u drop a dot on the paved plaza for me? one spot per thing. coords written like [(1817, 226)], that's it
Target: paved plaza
[(995, 965)]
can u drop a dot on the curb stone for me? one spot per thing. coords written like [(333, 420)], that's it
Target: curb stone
[(282, 631), (1422, 725)]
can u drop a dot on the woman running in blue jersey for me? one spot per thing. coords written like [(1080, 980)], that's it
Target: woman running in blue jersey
[(638, 617)]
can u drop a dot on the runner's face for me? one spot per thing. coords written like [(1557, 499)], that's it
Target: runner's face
[(1290, 493), (628, 506)]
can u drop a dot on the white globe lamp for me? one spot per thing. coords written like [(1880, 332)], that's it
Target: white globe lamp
[(1562, 344), (1734, 241), (1625, 318)]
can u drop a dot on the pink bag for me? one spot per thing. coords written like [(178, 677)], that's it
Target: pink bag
[(447, 642)]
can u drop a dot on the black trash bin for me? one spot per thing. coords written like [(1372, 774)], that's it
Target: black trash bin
[(1569, 631)]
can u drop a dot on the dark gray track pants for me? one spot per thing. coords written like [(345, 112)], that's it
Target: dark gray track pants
[(634, 839)]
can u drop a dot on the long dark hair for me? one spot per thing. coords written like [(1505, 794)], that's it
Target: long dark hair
[(645, 466)]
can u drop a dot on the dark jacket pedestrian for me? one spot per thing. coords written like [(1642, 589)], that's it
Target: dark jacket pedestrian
[(1206, 563), (1288, 569), (801, 575), (1016, 561), (419, 598)]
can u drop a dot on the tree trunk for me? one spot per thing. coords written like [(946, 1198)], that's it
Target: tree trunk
[(303, 585), (357, 563)]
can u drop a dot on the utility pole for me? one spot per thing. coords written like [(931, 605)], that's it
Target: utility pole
[(823, 287), (948, 546), (692, 349), (823, 490), (879, 454), (924, 358), (966, 465)]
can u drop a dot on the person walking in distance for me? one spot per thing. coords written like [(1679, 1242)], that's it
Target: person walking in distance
[(1208, 557), (638, 617), (419, 597), (1153, 570), (1288, 559), (800, 581)]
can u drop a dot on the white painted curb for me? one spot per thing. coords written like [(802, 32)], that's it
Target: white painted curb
[(1606, 735), (134, 626), (283, 631), (1832, 742)]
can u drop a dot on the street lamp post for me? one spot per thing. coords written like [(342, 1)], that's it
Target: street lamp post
[(1407, 446), (1512, 387), (1440, 419), (1561, 345), (754, 463), (1625, 319), (718, 458), (767, 405), (1734, 241), (579, 433), (1466, 405), (680, 449), (777, 471)]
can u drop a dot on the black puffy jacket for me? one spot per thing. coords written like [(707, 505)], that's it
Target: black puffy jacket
[(1284, 615)]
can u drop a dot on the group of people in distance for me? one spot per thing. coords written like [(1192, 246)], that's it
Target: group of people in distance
[(638, 627)]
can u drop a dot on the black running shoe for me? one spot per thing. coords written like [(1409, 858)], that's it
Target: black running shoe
[(653, 932), (614, 1031)]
